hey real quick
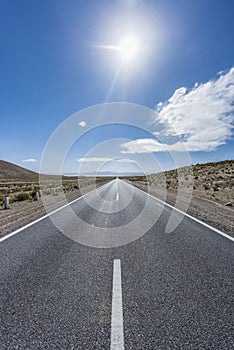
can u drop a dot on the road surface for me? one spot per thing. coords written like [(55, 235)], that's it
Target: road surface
[(160, 291)]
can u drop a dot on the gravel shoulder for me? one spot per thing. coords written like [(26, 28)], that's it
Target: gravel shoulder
[(215, 214)]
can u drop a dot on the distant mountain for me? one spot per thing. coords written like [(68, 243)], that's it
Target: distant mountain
[(10, 171), (112, 173)]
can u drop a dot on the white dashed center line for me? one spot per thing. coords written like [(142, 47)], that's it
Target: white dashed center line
[(117, 332)]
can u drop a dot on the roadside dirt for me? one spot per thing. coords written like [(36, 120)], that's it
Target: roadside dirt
[(21, 213), (209, 211)]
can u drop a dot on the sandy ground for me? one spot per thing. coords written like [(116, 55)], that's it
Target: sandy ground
[(216, 214)]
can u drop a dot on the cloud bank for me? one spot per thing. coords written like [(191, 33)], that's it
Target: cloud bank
[(202, 117)]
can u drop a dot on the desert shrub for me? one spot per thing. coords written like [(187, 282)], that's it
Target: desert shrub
[(206, 187), (23, 196)]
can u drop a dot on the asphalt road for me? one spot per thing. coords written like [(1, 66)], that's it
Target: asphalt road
[(56, 292)]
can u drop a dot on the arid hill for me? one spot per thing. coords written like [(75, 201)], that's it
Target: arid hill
[(214, 180), (13, 172), (207, 188)]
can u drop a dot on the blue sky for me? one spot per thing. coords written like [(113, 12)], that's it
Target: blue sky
[(57, 59)]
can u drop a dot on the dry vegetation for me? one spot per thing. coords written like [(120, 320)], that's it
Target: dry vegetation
[(21, 186), (210, 185)]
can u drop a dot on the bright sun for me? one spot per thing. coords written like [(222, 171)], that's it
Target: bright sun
[(128, 48)]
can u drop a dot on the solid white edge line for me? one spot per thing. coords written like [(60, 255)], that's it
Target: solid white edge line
[(189, 216), (42, 218), (117, 332)]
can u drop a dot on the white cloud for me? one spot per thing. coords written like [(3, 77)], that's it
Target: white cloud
[(82, 124), (29, 160), (124, 160), (203, 117), (94, 160), (143, 146), (151, 145)]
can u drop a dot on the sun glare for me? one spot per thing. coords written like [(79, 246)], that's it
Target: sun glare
[(128, 48)]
